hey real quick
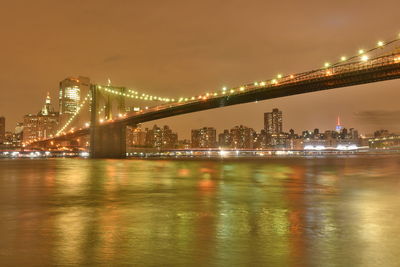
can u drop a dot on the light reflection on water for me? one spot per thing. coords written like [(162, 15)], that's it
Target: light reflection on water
[(293, 211)]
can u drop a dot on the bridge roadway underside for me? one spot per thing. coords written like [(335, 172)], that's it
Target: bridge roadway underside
[(318, 84), (108, 141)]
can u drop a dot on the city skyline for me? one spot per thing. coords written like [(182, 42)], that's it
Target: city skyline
[(186, 132), (169, 59)]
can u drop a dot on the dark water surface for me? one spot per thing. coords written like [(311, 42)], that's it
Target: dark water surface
[(272, 212)]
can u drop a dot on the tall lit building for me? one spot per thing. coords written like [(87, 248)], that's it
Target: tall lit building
[(72, 90), (41, 125), (339, 127), (205, 137), (273, 122), (273, 126), (2, 129)]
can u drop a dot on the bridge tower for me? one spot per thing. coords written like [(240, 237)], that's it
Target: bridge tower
[(107, 140)]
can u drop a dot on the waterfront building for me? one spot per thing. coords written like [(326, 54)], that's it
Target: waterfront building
[(2, 129), (331, 138), (224, 139), (184, 144), (205, 137), (161, 137), (242, 137), (18, 135), (260, 139), (136, 137), (381, 133), (8, 138), (391, 141)]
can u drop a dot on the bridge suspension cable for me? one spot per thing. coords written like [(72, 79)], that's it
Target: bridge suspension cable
[(74, 115)]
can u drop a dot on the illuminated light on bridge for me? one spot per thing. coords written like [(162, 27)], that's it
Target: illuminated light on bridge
[(361, 51), (364, 58), (74, 115), (343, 58), (380, 43), (326, 64), (279, 76)]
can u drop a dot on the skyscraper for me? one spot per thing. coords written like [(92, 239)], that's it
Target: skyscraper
[(2, 129), (44, 124), (72, 90), (339, 127), (273, 122), (273, 125)]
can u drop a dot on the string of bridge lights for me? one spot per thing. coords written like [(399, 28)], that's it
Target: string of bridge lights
[(77, 111), (362, 55), (135, 94)]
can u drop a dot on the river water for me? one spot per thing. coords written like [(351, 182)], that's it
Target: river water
[(328, 211)]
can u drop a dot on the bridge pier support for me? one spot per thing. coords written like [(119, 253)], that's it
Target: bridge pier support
[(108, 141)]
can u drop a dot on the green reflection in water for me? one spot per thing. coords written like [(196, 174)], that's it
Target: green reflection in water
[(280, 212)]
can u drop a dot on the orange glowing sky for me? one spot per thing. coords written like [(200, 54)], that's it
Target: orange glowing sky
[(180, 48)]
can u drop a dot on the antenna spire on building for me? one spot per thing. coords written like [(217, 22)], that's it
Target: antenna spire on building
[(338, 125)]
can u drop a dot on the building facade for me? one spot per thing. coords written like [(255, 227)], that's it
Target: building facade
[(136, 137), (71, 92), (224, 139), (2, 129), (161, 138), (205, 137), (242, 137), (273, 122), (41, 125)]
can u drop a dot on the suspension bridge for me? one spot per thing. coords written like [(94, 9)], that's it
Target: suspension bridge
[(109, 117)]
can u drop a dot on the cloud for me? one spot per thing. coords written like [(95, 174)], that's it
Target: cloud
[(381, 119)]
